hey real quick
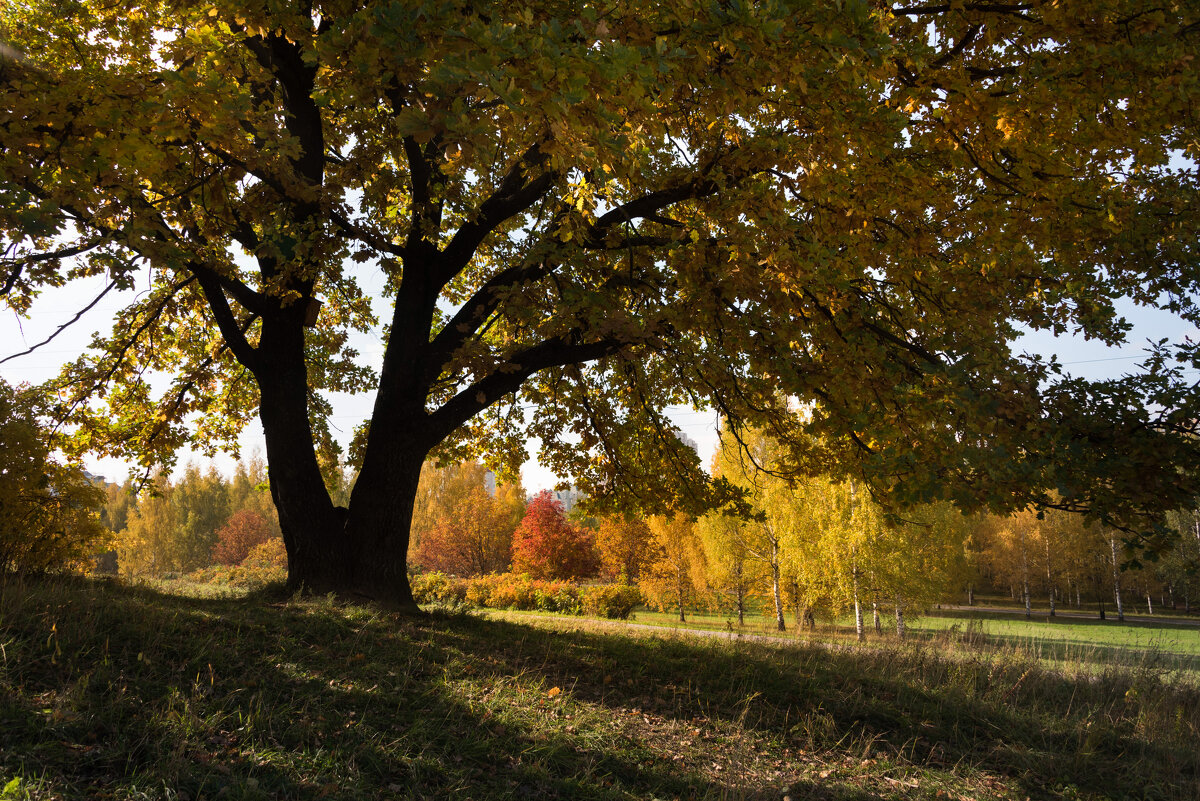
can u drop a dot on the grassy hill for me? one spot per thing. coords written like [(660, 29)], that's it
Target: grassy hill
[(112, 692)]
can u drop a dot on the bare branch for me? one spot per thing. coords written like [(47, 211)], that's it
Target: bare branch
[(64, 326)]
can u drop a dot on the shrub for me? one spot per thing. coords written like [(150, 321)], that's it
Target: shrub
[(612, 601), (269, 554), (557, 596), (434, 586), (480, 590), (513, 591), (49, 512), (520, 592)]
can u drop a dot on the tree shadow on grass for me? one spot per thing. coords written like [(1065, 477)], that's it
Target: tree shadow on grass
[(115, 692)]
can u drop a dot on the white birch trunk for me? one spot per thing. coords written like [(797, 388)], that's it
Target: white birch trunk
[(858, 616), (779, 623), (1049, 578), (1116, 566), (1025, 576)]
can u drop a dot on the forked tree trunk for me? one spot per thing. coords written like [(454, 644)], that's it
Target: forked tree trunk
[(355, 553)]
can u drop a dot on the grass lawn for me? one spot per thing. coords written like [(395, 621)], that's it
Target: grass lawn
[(1061, 640), (112, 692)]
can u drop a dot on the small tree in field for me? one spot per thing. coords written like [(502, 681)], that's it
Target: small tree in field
[(677, 565), (624, 545), (475, 537), (237, 538), (547, 546)]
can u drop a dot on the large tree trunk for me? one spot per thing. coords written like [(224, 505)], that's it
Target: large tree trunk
[(313, 529), (380, 518), (355, 553)]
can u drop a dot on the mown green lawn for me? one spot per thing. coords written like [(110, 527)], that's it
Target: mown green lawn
[(1059, 640)]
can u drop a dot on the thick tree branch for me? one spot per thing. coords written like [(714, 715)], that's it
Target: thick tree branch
[(647, 206), (1015, 9), (514, 195), (556, 352), (233, 332), (427, 198), (478, 308), (297, 79)]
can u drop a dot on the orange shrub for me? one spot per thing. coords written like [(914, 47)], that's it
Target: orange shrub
[(238, 536)]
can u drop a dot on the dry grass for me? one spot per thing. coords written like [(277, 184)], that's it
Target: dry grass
[(115, 692)]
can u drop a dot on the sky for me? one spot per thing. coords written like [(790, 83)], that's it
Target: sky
[(57, 306)]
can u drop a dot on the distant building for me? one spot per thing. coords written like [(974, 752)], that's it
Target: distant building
[(568, 498), (686, 440)]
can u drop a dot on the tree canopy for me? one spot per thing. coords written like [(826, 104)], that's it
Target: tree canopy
[(587, 211), (49, 517)]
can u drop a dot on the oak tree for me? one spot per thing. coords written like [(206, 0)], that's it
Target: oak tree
[(584, 212)]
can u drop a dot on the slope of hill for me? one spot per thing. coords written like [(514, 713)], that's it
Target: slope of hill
[(111, 692)]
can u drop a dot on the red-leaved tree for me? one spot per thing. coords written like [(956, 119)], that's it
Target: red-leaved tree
[(546, 546), (238, 536)]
